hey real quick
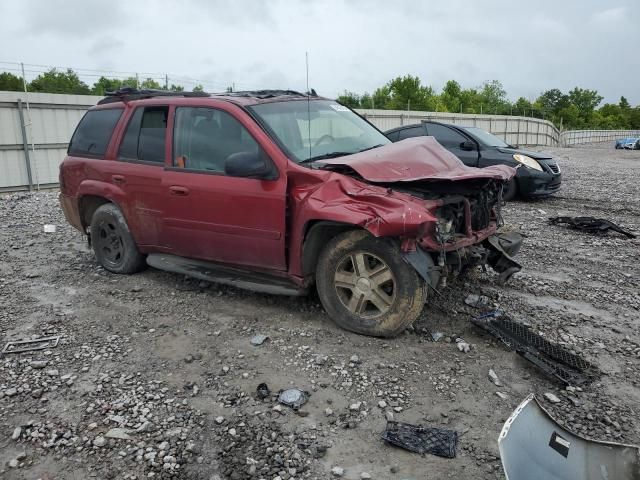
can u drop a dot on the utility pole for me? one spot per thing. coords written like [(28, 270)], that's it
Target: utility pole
[(408, 105), (30, 125), (166, 81)]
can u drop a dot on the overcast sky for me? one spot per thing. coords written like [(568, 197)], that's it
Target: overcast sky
[(356, 45)]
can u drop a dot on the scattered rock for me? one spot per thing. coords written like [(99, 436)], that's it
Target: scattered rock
[(551, 397), (337, 471)]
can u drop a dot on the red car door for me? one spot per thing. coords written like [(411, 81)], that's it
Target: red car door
[(138, 172), (210, 215)]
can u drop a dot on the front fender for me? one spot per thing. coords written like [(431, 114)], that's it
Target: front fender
[(381, 211)]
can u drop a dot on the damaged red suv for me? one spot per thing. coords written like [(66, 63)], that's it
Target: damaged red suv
[(278, 191)]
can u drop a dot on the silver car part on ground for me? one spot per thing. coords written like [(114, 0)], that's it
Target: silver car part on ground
[(534, 446)]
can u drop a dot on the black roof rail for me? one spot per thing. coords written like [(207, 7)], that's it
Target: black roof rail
[(263, 94), (126, 94)]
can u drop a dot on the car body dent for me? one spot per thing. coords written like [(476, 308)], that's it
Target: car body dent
[(330, 196)]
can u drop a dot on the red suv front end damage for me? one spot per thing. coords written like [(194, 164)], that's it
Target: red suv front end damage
[(442, 214)]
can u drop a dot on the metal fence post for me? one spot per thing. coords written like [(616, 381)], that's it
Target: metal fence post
[(25, 145)]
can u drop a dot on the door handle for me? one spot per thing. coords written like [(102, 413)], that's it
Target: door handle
[(117, 179), (180, 191)]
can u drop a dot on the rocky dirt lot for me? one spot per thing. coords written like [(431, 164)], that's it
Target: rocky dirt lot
[(155, 375)]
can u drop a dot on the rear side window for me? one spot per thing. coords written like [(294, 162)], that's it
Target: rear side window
[(93, 133), (145, 136), (418, 131), (446, 136)]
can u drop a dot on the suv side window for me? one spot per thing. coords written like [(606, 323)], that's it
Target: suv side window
[(205, 137), (93, 133), (145, 136), (418, 131), (446, 136)]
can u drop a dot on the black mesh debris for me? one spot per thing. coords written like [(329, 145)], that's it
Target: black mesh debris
[(551, 358), (591, 225), (419, 439)]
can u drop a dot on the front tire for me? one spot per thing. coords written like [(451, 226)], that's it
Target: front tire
[(510, 190), (366, 287), (112, 242)]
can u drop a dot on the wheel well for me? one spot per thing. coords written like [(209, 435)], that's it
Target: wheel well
[(317, 235), (88, 206)]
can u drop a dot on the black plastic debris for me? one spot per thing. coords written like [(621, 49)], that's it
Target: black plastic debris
[(554, 360), (293, 397), (263, 390), (419, 439), (591, 225)]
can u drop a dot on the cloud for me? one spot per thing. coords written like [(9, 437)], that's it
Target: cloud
[(355, 45)]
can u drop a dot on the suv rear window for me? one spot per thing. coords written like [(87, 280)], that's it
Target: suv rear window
[(145, 137), (93, 133)]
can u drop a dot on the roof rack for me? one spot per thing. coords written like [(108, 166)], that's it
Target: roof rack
[(126, 94), (263, 94)]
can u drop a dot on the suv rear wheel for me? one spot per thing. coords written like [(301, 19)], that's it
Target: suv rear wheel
[(366, 287), (112, 242)]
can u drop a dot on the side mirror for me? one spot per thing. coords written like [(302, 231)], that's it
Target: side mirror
[(468, 145), (248, 165)]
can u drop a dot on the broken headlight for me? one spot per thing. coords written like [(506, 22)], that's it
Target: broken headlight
[(527, 161)]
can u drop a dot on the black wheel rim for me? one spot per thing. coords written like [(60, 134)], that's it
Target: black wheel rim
[(109, 244)]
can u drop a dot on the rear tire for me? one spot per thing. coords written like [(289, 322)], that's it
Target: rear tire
[(113, 244), (366, 287), (510, 190)]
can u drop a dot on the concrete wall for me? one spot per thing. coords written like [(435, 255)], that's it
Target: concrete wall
[(581, 137), (51, 119), (49, 123), (513, 130)]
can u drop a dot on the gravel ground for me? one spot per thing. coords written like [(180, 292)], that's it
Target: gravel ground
[(155, 375)]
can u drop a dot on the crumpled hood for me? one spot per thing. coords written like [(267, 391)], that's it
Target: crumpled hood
[(528, 153), (418, 158)]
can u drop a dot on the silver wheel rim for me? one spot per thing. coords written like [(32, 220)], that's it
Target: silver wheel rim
[(365, 284)]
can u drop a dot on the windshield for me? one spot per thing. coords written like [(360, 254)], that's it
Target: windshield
[(317, 129), (486, 137)]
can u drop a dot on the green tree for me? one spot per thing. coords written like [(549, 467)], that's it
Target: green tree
[(450, 96), (624, 103), (382, 97), (585, 101), (493, 97), (469, 101), (54, 81), (349, 99), (151, 84), (10, 82), (104, 85), (408, 93), (176, 88), (198, 88), (553, 100), (521, 106), (366, 101)]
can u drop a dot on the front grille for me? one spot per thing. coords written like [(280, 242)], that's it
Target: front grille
[(553, 166)]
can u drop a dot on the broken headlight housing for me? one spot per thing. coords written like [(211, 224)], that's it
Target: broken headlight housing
[(527, 161)]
